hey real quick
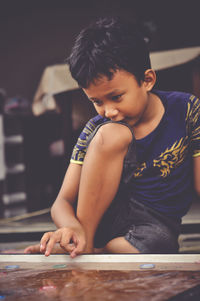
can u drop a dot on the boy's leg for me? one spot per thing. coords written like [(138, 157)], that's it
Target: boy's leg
[(144, 229), (117, 245), (100, 177), (120, 245)]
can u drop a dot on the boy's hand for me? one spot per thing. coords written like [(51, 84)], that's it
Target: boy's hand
[(70, 239)]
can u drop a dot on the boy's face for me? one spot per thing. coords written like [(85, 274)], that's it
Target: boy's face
[(121, 98)]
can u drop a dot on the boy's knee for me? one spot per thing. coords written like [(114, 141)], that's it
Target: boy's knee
[(112, 137)]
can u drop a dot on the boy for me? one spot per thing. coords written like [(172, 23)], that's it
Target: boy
[(135, 165)]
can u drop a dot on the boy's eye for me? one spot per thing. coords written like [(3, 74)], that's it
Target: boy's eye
[(117, 97), (97, 102)]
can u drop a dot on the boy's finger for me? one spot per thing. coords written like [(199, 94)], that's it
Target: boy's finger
[(49, 239), (55, 237), (50, 246), (75, 240), (32, 249), (65, 242), (27, 250), (80, 246), (73, 254), (43, 242), (70, 248)]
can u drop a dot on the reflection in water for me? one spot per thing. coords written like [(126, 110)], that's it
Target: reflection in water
[(67, 285)]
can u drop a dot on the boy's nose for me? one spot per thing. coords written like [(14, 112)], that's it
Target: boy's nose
[(111, 113)]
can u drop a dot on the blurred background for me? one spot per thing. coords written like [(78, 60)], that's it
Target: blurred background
[(42, 111)]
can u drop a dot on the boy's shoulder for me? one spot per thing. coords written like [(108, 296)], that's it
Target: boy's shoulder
[(91, 126), (174, 96), (177, 102), (95, 121)]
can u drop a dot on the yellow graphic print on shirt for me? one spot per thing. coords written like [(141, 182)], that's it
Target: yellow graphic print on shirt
[(172, 157), (193, 114), (79, 150), (169, 159), (139, 170)]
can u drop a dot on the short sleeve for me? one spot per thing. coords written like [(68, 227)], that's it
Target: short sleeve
[(79, 150), (193, 116)]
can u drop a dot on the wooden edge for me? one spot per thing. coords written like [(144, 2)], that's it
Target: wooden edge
[(103, 258)]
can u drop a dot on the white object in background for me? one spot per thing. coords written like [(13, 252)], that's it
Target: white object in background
[(171, 58), (57, 78)]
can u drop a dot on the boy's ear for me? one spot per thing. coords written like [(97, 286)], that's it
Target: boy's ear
[(149, 79)]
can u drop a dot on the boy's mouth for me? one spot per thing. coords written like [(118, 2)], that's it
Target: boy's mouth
[(116, 120)]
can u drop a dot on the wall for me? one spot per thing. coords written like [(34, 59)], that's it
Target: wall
[(35, 34)]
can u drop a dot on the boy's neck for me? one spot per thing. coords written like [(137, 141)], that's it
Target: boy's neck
[(151, 118)]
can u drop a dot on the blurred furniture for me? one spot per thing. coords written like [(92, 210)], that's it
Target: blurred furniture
[(57, 79), (14, 196)]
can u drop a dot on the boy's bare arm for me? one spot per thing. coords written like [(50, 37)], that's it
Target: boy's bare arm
[(100, 177), (62, 211), (63, 215), (69, 228), (196, 162)]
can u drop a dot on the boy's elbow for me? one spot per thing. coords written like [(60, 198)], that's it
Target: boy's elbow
[(52, 211), (197, 190), (197, 186)]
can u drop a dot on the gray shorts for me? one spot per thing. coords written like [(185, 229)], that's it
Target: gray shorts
[(146, 229)]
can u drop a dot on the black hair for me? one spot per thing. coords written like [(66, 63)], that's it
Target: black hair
[(105, 46)]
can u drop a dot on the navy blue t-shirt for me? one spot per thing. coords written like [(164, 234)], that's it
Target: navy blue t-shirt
[(163, 179)]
